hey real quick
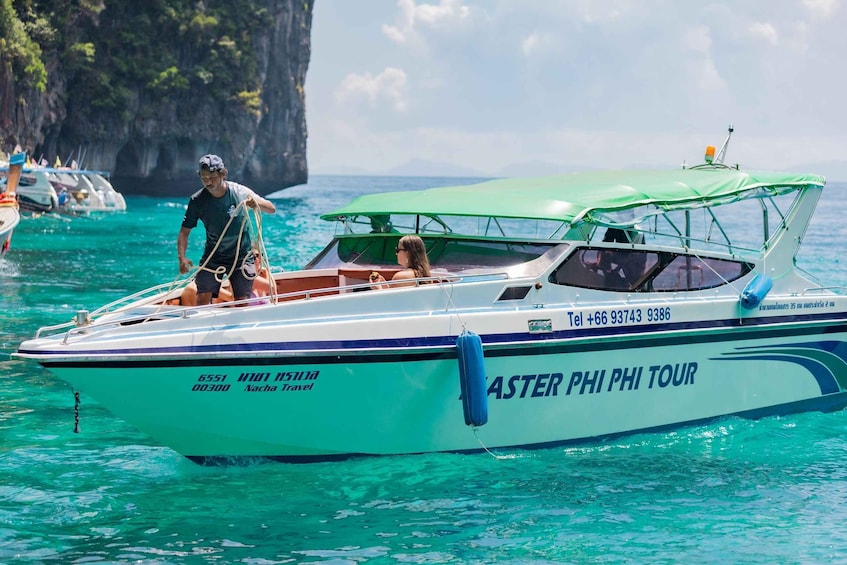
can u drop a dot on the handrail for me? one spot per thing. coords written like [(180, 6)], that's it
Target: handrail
[(154, 291), (187, 311), (54, 327)]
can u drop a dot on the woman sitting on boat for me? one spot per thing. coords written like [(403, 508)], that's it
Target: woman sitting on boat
[(411, 255)]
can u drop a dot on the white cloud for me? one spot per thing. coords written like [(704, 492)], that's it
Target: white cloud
[(389, 85), (798, 40), (575, 82), (698, 39), (443, 15), (537, 42), (593, 12), (821, 8), (708, 78), (703, 72), (764, 31)]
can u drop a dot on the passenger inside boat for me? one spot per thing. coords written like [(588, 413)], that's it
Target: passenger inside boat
[(188, 296), (623, 269), (262, 282), (636, 270), (412, 256), (261, 287)]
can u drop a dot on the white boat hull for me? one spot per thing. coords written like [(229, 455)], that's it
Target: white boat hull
[(338, 395), (9, 218), (633, 311)]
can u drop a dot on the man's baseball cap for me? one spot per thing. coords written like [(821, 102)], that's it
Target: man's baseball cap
[(211, 163)]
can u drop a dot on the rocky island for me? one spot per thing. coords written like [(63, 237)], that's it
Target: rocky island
[(144, 89)]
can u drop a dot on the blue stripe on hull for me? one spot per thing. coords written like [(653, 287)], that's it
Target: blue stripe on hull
[(390, 350)]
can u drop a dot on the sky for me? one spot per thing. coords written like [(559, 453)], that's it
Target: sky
[(521, 87)]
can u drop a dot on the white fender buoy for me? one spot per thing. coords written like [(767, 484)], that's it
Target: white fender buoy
[(472, 378), (755, 291)]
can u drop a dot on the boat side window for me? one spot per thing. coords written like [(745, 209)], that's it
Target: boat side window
[(687, 272), (632, 270), (26, 180), (607, 269)]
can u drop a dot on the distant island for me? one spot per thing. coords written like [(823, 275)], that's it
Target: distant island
[(834, 171)]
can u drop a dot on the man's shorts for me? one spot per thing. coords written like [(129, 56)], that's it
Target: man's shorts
[(241, 277)]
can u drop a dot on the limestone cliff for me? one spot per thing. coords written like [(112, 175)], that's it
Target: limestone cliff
[(144, 89)]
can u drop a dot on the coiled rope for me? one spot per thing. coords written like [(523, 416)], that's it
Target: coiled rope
[(221, 270)]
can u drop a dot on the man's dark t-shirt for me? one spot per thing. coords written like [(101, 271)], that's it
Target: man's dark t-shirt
[(215, 213)]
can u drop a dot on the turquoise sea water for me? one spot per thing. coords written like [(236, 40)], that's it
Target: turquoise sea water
[(735, 491)]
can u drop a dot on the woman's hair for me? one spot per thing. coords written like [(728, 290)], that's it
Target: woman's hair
[(416, 251)]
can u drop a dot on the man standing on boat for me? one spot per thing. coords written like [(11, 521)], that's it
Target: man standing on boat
[(228, 248)]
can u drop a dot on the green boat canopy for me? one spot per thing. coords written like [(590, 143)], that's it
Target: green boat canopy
[(569, 198)]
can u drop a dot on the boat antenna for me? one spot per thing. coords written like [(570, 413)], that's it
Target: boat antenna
[(722, 152)]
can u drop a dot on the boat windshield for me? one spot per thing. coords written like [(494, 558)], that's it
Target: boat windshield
[(472, 226), (455, 255), (742, 224)]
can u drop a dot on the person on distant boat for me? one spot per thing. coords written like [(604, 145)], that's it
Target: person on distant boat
[(62, 197), (228, 249), (411, 255)]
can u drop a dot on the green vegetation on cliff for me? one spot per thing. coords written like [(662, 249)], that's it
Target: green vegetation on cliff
[(19, 52), (113, 50), (143, 87)]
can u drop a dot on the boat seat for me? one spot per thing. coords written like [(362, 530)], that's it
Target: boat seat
[(353, 277), (314, 285)]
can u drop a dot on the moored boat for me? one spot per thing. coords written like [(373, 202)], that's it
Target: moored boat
[(84, 191), (36, 194), (9, 209), (67, 191), (605, 304)]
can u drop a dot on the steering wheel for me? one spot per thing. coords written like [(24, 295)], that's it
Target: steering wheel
[(586, 263)]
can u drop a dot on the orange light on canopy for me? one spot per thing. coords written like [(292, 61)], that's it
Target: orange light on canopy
[(710, 153)]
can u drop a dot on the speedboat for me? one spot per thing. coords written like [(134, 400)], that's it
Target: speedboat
[(111, 199), (84, 191), (35, 193), (66, 191), (561, 309), (9, 209)]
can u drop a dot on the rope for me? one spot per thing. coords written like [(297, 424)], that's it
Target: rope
[(730, 283), (221, 270), (451, 304), (464, 327), (76, 411), (492, 454), (263, 263), (217, 272)]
